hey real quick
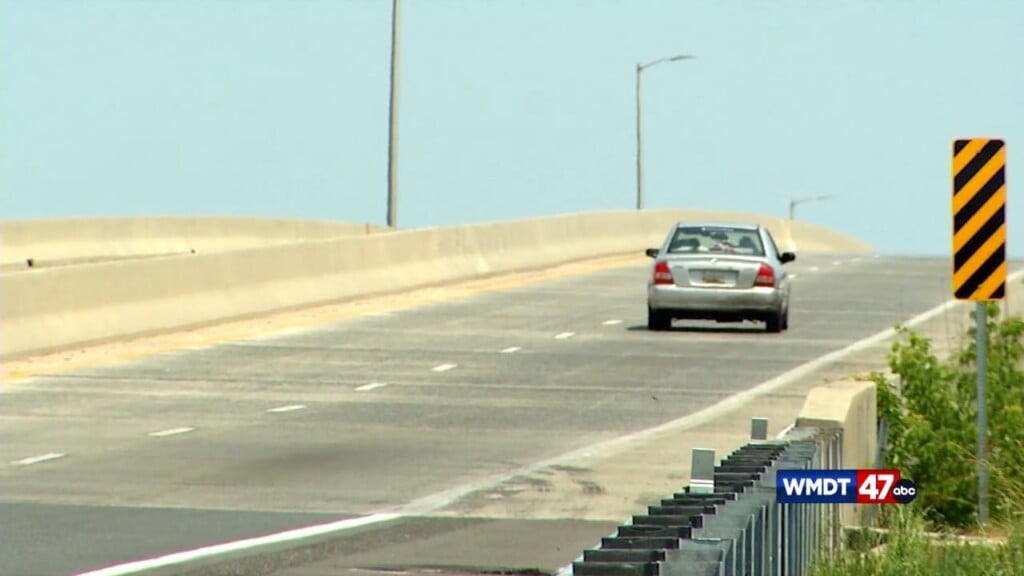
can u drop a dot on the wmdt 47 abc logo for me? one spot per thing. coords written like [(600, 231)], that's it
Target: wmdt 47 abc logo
[(843, 487)]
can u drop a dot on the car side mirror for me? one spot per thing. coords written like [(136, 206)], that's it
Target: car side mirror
[(787, 257), (652, 252)]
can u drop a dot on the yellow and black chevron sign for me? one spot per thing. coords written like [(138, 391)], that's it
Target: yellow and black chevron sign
[(979, 219)]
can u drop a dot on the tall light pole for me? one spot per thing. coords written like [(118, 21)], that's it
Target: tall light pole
[(797, 201), (393, 123), (792, 208), (639, 125)]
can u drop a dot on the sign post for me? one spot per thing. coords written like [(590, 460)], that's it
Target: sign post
[(979, 260)]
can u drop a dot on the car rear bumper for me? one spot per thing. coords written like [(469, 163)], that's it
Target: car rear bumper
[(749, 301)]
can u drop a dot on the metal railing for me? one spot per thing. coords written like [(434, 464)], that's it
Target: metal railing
[(727, 522)]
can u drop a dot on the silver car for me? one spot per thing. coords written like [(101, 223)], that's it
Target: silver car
[(720, 272)]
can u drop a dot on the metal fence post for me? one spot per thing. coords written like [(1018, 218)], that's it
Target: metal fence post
[(702, 471), (759, 429)]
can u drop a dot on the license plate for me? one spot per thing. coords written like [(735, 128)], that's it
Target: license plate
[(716, 277)]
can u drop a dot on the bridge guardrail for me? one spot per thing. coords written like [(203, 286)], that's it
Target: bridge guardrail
[(726, 522)]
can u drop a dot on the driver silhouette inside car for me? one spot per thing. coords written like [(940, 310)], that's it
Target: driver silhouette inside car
[(747, 246)]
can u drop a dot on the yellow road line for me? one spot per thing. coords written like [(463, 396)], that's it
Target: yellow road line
[(101, 354)]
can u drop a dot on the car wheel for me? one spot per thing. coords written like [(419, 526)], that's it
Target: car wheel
[(658, 320), (774, 323), (785, 320)]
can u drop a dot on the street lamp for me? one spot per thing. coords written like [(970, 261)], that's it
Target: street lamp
[(795, 202), (792, 207), (393, 123), (639, 139)]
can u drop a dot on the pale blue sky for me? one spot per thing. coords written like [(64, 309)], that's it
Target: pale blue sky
[(509, 108)]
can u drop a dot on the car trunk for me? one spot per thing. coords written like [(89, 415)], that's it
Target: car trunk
[(714, 271)]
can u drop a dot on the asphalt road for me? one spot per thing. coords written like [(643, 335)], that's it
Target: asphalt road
[(394, 407)]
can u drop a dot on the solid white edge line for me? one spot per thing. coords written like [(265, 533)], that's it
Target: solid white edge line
[(172, 432), (239, 545), (785, 431), (566, 570), (370, 386), (39, 459)]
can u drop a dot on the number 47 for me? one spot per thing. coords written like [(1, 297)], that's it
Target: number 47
[(877, 486)]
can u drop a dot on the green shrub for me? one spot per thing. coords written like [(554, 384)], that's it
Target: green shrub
[(931, 413), (908, 552)]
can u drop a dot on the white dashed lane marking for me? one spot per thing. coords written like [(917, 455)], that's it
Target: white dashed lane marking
[(511, 349), (443, 367), (370, 386), (611, 322), (814, 268), (172, 432), (39, 459), (564, 335), (289, 408)]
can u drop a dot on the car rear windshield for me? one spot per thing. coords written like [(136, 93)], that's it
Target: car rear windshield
[(716, 240)]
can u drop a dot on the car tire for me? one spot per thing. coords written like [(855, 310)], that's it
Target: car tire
[(773, 324), (658, 320), (785, 320)]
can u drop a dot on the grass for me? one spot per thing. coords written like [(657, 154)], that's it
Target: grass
[(908, 549)]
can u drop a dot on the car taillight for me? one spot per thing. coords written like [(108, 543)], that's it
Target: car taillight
[(662, 274), (765, 276)]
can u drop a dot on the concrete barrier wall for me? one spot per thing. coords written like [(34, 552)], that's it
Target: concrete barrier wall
[(49, 309), (75, 239), (850, 406)]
